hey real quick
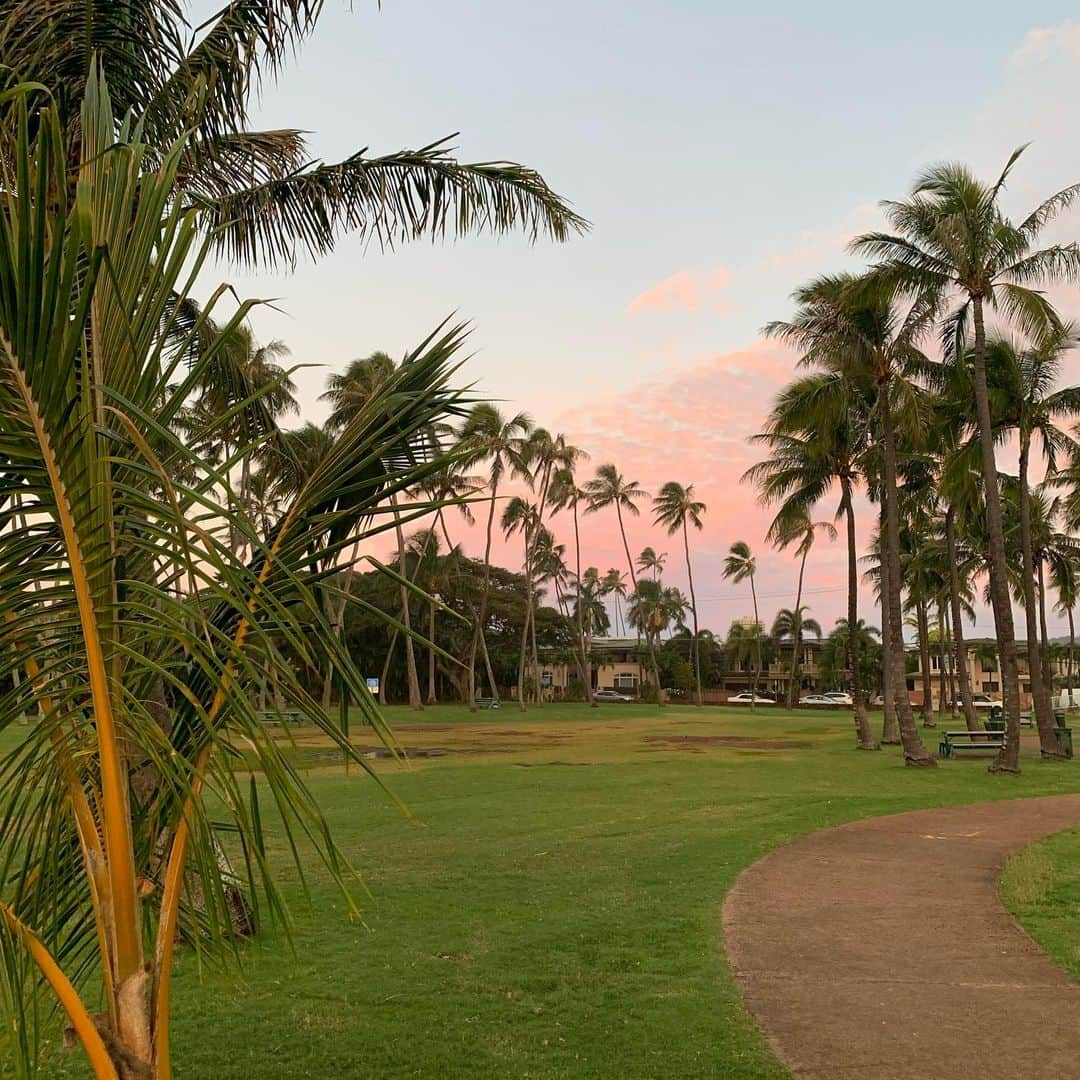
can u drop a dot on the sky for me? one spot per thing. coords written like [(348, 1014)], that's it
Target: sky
[(723, 153)]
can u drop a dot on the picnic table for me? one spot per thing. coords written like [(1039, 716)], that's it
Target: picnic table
[(287, 716), (487, 703)]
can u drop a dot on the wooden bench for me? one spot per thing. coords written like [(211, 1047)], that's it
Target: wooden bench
[(487, 703), (955, 742), (292, 717)]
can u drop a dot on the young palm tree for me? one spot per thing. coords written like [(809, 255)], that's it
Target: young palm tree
[(739, 566), (1065, 579), (143, 690), (677, 509), (487, 436), (853, 327), (610, 488), (264, 198), (817, 434), (952, 240)]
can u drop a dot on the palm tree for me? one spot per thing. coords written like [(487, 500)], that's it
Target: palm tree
[(610, 488), (653, 608), (677, 509), (817, 434), (743, 647), (592, 615), (853, 327), (142, 692), (521, 516), (1026, 380), (837, 661), (348, 394), (1064, 577), (739, 566), (790, 624), (263, 197), (566, 495), (952, 240), (613, 583), (650, 562), (801, 531), (487, 436)]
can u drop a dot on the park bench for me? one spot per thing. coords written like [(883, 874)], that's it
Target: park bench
[(487, 703), (291, 717), (956, 742)]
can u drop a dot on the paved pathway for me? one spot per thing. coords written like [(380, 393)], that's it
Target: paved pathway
[(879, 950)]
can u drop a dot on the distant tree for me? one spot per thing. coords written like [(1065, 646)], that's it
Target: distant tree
[(740, 565)]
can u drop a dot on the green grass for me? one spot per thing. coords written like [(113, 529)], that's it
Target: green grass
[(1041, 887), (554, 909)]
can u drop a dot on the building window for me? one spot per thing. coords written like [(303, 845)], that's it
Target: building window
[(990, 687), (988, 666), (911, 684), (1027, 688), (624, 680), (935, 662)]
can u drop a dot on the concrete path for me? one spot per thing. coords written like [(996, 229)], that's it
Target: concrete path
[(879, 950)]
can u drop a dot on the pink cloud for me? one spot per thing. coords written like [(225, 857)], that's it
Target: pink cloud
[(819, 245), (688, 290)]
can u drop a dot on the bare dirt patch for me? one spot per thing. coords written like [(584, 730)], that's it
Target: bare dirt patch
[(699, 742)]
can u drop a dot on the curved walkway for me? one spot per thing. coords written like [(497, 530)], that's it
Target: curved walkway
[(880, 950)]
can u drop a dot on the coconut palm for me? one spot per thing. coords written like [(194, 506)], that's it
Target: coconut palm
[(1024, 391), (348, 394), (676, 508), (854, 327), (264, 197), (652, 609), (649, 562), (613, 584), (566, 495), (952, 240), (142, 692), (802, 532), (610, 488), (817, 435), (739, 566), (790, 624), (1065, 579), (521, 516), (487, 437)]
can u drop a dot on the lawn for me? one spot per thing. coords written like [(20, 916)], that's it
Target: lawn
[(554, 908)]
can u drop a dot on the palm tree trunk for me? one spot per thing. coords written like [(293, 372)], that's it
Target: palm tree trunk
[(337, 623), (943, 652), (586, 663), (1072, 647), (924, 662), (971, 717), (914, 751), (693, 612), (1040, 700), (1008, 760), (525, 629), (385, 675), (796, 635), (431, 694), (890, 731), (633, 577), (415, 700), (757, 646), (1048, 675), (864, 736), (481, 617)]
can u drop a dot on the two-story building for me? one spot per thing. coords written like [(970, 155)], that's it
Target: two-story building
[(618, 663)]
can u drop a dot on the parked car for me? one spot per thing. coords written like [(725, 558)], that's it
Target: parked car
[(611, 695), (983, 701), (817, 699), (840, 697), (747, 697)]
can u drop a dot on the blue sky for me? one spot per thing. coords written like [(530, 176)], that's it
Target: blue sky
[(732, 148)]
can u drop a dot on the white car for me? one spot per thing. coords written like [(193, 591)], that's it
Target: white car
[(748, 698), (817, 699), (840, 697), (610, 695), (984, 701)]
